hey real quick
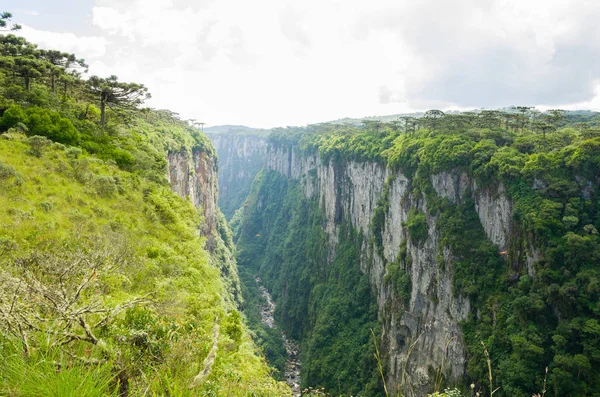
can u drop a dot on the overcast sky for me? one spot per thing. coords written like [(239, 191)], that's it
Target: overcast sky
[(266, 63)]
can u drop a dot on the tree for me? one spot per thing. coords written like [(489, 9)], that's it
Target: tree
[(70, 78), (29, 68), (458, 121), (111, 92), (371, 125), (14, 46), (61, 62), (542, 127), (432, 118), (21, 58), (5, 17), (523, 110), (555, 116), (410, 124), (489, 119)]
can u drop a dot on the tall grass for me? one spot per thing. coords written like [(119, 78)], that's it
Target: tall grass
[(40, 374)]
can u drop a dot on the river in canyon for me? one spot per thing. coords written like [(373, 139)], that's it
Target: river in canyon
[(293, 364)]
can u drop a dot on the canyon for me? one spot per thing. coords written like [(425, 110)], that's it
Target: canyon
[(421, 336)]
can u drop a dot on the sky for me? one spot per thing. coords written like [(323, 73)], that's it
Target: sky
[(268, 63)]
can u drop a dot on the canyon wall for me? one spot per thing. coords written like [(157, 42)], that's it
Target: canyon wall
[(423, 333), (241, 157), (193, 175)]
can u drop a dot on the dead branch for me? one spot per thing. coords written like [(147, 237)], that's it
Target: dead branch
[(210, 359)]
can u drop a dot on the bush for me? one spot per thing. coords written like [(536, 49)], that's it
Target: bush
[(73, 152), (104, 185), (37, 145), (81, 169), (233, 327), (7, 171), (416, 224), (123, 158), (50, 124), (12, 116)]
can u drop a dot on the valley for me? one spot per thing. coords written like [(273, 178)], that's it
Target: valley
[(426, 253)]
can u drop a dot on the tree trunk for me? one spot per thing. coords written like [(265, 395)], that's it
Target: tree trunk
[(102, 112), (27, 83), (53, 89)]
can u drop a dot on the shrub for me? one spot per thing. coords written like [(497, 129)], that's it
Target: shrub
[(58, 146), (46, 206), (7, 171), (123, 158), (12, 116), (233, 327), (37, 145), (73, 152), (50, 124), (7, 245), (104, 185), (416, 224), (81, 169)]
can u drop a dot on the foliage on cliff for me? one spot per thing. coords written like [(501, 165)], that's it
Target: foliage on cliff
[(531, 316), (105, 284), (327, 307)]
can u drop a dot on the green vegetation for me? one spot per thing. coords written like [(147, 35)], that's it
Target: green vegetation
[(534, 306), (325, 305), (267, 338), (416, 225), (106, 287)]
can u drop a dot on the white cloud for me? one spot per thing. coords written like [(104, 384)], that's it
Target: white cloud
[(87, 46), (284, 62)]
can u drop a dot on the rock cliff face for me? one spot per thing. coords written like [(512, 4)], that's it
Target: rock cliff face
[(195, 176), (423, 333), (241, 157)]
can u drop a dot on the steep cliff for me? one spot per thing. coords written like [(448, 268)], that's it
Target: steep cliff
[(452, 232), (351, 191), (241, 157), (193, 175)]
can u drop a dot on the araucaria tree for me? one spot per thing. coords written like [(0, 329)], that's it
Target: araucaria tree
[(113, 93), (4, 18)]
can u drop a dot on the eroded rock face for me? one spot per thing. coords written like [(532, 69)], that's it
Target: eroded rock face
[(430, 320), (241, 157), (195, 177)]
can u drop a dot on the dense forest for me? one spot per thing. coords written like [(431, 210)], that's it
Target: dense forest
[(538, 322), (107, 286)]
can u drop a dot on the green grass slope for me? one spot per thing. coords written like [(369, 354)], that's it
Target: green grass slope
[(106, 287), (105, 281)]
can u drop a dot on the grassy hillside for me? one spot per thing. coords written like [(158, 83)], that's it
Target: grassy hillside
[(105, 285), (149, 296)]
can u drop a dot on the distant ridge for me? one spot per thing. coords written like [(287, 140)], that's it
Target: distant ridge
[(242, 129), (221, 129)]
